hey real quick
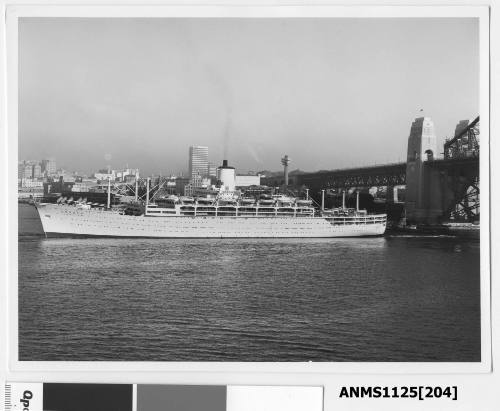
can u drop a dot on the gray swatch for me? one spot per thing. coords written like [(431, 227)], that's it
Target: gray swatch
[(181, 398)]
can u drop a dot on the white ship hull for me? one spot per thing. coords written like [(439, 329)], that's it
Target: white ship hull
[(65, 220)]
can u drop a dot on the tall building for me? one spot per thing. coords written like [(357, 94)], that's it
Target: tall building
[(28, 170), (37, 170), (20, 170), (198, 161), (212, 170), (49, 167)]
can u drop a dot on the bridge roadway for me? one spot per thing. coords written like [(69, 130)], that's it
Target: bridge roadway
[(457, 165), (372, 176)]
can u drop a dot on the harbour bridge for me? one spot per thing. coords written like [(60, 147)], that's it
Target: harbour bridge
[(437, 190)]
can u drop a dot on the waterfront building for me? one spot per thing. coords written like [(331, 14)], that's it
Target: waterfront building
[(198, 161), (69, 178), (170, 186), (27, 171), (129, 179), (37, 170), (30, 183), (247, 180), (195, 180), (180, 184), (57, 186), (105, 175), (20, 171), (199, 181), (30, 193), (212, 170), (189, 190), (49, 167), (84, 185), (127, 172)]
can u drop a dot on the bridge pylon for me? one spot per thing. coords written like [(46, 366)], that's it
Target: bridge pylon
[(423, 203)]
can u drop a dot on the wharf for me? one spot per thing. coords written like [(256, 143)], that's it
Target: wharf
[(456, 229)]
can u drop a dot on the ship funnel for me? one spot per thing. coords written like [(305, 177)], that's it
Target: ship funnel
[(227, 176)]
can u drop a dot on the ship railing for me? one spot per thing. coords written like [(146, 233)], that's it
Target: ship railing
[(357, 220), (246, 214)]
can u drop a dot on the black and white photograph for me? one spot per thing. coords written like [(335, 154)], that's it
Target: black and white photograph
[(227, 189)]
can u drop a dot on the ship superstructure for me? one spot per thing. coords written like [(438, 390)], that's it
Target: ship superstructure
[(230, 206)]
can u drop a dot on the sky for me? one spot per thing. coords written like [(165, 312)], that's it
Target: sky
[(329, 92)]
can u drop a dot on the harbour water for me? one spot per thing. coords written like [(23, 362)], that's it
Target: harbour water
[(392, 298)]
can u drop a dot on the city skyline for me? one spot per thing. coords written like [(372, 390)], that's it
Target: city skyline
[(210, 167), (252, 90)]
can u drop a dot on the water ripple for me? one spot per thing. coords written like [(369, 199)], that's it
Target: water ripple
[(379, 299)]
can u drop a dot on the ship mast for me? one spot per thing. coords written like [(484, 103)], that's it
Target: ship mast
[(109, 192), (147, 192), (136, 186)]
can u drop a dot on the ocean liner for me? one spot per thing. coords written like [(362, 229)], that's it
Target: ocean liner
[(227, 215)]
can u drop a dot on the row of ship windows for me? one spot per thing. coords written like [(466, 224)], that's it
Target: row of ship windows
[(359, 222), (183, 230), (341, 223), (295, 226), (193, 221), (218, 233), (337, 220), (275, 222)]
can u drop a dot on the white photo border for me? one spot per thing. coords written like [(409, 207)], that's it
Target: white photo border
[(38, 370)]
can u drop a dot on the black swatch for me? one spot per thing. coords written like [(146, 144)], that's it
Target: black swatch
[(87, 397)]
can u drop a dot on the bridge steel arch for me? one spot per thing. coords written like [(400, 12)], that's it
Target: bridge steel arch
[(363, 177)]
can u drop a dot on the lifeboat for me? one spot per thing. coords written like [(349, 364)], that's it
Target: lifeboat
[(205, 200), (247, 201), (187, 200)]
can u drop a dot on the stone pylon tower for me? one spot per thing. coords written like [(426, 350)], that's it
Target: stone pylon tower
[(422, 147)]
